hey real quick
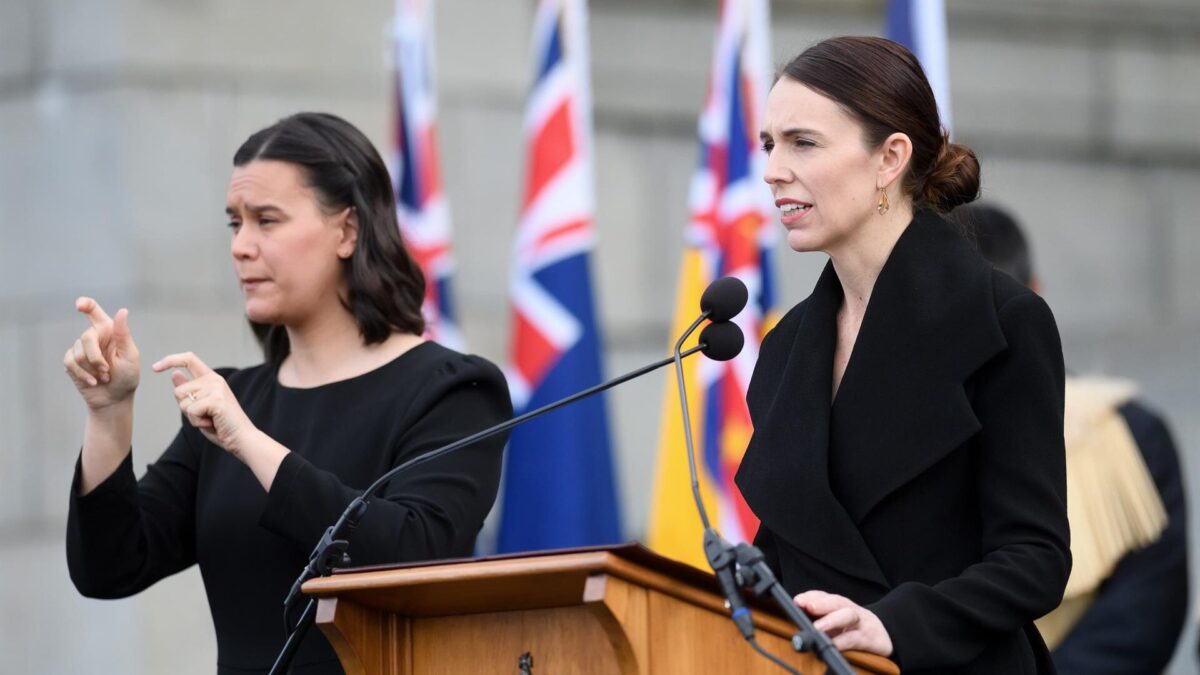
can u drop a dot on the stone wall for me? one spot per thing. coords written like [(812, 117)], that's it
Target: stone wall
[(118, 120)]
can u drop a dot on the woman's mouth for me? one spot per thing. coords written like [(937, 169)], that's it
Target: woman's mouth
[(791, 211)]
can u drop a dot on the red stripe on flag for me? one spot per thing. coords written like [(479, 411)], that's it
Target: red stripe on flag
[(563, 230), (739, 241), (431, 170), (718, 154), (426, 256), (534, 354), (551, 149)]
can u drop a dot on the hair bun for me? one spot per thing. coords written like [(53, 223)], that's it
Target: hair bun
[(954, 178)]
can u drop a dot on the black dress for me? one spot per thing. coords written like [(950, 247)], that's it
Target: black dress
[(932, 490), (198, 504)]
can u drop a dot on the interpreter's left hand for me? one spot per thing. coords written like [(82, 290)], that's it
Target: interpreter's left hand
[(846, 623), (205, 398)]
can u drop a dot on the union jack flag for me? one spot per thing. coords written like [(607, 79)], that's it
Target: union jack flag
[(731, 231), (420, 202), (558, 480)]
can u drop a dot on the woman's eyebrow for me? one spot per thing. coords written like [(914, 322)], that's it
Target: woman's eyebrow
[(255, 208), (789, 133)]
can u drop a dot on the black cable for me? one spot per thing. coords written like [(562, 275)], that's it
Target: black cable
[(687, 420), (429, 456), (284, 659), (775, 659)]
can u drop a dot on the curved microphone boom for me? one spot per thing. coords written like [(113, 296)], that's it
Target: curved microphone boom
[(720, 302), (723, 298), (718, 341), (743, 564)]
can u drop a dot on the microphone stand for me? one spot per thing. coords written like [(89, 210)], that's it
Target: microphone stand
[(755, 574), (724, 559), (330, 552)]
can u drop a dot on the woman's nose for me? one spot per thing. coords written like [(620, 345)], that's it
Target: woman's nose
[(243, 244), (774, 172)]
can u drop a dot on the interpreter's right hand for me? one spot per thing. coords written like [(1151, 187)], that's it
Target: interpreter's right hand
[(103, 362)]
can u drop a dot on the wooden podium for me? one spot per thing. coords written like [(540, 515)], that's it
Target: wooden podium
[(602, 610)]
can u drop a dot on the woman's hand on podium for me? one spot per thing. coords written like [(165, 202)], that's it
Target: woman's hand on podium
[(850, 626), (103, 363)]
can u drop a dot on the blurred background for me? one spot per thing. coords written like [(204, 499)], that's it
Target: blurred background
[(119, 118)]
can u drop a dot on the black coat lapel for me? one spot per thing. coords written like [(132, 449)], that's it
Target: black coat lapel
[(784, 474), (902, 405), (813, 471)]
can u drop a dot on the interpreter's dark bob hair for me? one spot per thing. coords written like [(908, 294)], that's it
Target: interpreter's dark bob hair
[(339, 164)]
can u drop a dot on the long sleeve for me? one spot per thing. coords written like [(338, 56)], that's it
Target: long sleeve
[(1140, 610), (1021, 487), (126, 534), (432, 511)]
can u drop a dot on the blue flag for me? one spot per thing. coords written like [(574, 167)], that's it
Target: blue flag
[(920, 25), (558, 479)]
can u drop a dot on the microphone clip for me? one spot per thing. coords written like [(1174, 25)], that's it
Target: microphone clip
[(329, 554), (722, 558)]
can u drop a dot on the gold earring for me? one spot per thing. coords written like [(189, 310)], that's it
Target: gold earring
[(883, 205)]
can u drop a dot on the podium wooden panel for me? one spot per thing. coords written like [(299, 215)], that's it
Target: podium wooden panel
[(615, 610)]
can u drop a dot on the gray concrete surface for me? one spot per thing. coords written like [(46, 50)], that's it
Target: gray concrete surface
[(118, 120)]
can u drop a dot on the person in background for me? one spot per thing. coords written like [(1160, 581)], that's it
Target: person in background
[(1126, 600), (907, 462), (269, 456)]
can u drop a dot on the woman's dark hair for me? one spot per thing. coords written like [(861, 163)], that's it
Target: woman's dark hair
[(882, 85), (339, 164)]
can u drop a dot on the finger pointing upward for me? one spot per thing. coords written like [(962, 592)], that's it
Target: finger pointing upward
[(94, 312), (186, 360)]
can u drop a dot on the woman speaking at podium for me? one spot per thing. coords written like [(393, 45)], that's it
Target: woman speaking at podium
[(907, 462), (269, 456)]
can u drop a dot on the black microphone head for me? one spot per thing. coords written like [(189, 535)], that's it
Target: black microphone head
[(723, 340), (724, 298)]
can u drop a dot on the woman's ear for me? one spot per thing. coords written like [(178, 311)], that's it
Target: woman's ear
[(895, 154), (349, 226)]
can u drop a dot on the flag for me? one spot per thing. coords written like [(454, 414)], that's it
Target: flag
[(558, 479), (421, 204), (730, 232), (920, 25)]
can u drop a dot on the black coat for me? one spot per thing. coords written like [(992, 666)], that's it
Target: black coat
[(933, 489)]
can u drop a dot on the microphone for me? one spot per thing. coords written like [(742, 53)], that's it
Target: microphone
[(723, 299), (722, 341), (719, 341)]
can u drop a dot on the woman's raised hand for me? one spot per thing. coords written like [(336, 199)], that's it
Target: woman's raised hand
[(207, 401), (103, 362)]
